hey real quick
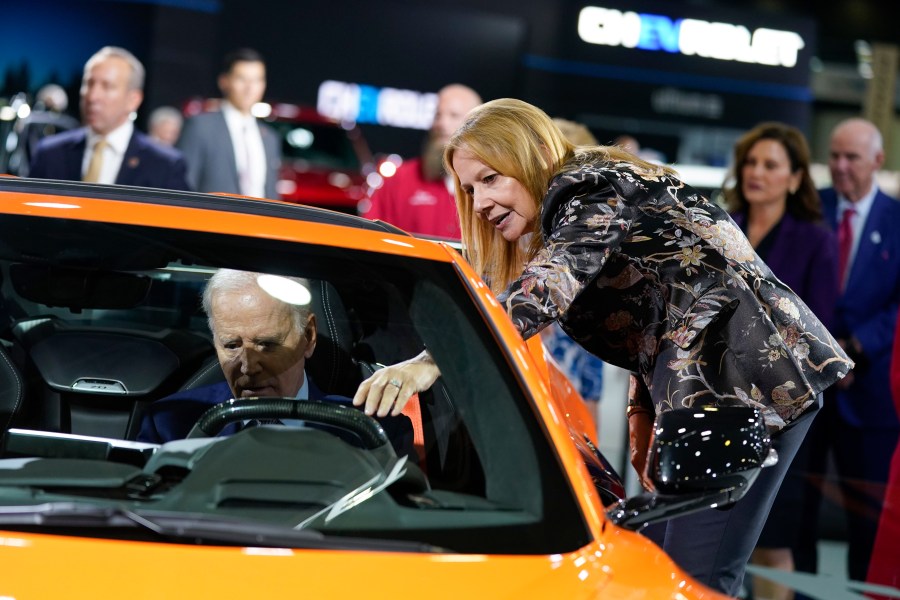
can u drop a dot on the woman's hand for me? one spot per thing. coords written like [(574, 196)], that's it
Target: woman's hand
[(389, 389), (640, 434)]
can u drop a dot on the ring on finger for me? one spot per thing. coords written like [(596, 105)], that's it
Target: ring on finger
[(396, 383)]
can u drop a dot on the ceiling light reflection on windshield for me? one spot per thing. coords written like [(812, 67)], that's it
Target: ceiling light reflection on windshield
[(268, 551), (459, 558), (51, 205), (14, 542), (286, 290), (397, 243)]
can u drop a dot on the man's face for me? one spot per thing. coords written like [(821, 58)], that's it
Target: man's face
[(853, 160), (260, 347), (106, 100), (167, 131), (452, 107), (244, 85)]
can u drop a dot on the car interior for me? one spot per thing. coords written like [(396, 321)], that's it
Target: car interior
[(99, 321)]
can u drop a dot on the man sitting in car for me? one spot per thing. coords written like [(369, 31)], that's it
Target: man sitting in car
[(263, 333)]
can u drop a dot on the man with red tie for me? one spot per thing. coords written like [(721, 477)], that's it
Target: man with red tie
[(858, 423)]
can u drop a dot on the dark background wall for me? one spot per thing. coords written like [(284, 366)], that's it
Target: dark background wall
[(407, 46), (503, 48), (528, 50)]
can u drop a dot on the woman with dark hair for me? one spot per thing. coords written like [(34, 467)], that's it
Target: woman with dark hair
[(775, 203), (648, 275)]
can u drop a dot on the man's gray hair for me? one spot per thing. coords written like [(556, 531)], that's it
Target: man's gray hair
[(135, 79), (232, 280), (164, 113), (53, 97)]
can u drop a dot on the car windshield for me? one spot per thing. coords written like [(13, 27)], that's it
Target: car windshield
[(102, 321), (319, 144)]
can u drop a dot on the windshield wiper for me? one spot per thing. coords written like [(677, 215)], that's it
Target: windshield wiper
[(192, 527)]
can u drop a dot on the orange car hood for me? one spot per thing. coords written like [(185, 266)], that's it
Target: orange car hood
[(47, 566)]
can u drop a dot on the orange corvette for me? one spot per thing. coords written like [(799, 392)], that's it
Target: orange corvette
[(496, 489)]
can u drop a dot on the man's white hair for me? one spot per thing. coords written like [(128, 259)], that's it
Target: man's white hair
[(232, 280), (135, 79)]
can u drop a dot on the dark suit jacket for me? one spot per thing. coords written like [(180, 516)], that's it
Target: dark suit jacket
[(145, 164), (172, 418), (867, 309), (804, 256), (207, 147)]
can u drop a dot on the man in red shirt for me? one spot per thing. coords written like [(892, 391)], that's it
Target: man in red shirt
[(419, 197)]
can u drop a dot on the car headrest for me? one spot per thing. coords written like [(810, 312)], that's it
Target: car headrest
[(11, 391), (78, 288), (332, 366)]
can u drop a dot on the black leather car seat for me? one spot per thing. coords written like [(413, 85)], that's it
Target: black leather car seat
[(91, 379), (12, 391)]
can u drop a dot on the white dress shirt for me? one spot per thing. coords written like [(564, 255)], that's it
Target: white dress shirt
[(249, 152), (116, 145), (303, 394)]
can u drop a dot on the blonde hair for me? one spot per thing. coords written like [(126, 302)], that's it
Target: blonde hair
[(517, 140), (575, 132)]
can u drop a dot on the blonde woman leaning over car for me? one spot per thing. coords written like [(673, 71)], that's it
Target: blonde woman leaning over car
[(646, 274)]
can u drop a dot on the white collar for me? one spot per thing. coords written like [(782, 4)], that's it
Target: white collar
[(234, 116), (303, 392), (117, 139), (861, 206)]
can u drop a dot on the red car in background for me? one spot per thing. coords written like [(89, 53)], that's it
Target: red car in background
[(325, 162)]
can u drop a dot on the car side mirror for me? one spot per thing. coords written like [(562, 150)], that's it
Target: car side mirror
[(699, 458)]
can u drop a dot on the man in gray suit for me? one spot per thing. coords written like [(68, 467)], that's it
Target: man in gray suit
[(230, 150)]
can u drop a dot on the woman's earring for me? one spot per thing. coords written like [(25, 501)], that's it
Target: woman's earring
[(792, 190)]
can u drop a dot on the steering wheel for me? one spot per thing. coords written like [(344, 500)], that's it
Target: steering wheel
[(367, 429)]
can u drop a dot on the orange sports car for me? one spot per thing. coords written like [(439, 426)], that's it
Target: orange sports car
[(492, 488)]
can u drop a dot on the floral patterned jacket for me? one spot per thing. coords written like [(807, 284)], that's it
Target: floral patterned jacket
[(649, 275)]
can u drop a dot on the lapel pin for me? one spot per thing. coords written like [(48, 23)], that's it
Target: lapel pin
[(875, 237), (134, 161)]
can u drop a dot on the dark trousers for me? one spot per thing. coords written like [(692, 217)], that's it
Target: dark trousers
[(713, 545), (862, 460)]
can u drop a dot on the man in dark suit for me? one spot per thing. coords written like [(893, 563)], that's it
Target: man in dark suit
[(263, 333), (229, 150), (109, 149), (858, 421)]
